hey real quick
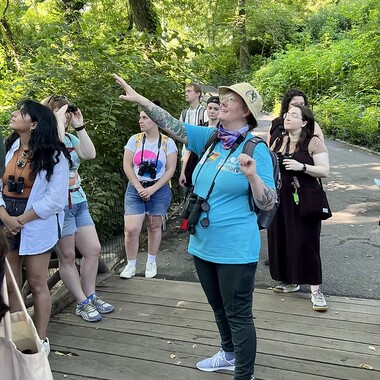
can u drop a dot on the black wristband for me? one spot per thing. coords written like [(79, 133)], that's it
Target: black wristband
[(304, 168), (80, 128)]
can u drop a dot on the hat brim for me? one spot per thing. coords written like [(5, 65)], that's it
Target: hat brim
[(241, 90)]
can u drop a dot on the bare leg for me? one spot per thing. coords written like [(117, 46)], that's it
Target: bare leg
[(154, 224), (313, 288), (133, 225), (36, 271), (87, 241), (65, 249)]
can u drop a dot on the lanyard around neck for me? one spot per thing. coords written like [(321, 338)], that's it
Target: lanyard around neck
[(158, 149), (237, 142)]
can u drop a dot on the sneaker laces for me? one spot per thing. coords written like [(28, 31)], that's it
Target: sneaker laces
[(318, 297), (89, 308), (217, 359)]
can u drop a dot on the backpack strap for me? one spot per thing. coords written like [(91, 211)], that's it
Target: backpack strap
[(69, 149), (200, 115), (138, 140), (211, 140), (164, 142), (183, 115), (249, 149)]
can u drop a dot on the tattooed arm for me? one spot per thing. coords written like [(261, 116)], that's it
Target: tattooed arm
[(264, 196), (173, 127)]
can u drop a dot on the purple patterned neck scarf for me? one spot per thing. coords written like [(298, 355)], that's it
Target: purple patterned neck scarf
[(228, 138)]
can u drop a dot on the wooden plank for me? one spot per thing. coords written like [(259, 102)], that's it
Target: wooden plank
[(140, 285), (279, 302), (332, 355), (294, 342), (334, 329), (129, 361), (144, 347)]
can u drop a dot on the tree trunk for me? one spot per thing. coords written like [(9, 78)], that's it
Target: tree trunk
[(143, 15), (244, 54)]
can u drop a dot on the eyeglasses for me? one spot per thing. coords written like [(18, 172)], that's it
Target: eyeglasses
[(227, 99), (288, 115)]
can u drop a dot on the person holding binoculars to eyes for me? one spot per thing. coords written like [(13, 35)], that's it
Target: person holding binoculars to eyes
[(79, 229), (33, 195), (225, 241), (150, 160)]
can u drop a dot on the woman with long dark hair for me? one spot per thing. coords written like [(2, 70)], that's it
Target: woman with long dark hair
[(33, 195), (293, 240), (292, 97)]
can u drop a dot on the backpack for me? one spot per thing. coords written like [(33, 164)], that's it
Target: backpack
[(264, 217), (164, 142)]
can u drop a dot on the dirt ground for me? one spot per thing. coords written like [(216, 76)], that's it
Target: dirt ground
[(173, 260)]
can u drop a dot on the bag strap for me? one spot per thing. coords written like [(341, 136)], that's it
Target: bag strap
[(7, 316), (7, 324)]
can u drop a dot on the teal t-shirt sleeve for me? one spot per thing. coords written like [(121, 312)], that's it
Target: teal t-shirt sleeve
[(264, 164), (197, 137)]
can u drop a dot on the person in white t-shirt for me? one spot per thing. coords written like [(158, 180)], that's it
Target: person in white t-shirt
[(150, 160), (195, 115)]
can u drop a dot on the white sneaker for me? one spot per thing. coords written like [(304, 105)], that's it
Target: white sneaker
[(128, 272), (318, 301), (151, 270), (46, 346), (217, 363), (286, 288)]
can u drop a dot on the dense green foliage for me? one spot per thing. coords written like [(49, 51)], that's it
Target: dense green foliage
[(337, 65), (328, 49)]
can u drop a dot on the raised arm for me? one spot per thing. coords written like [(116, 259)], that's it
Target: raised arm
[(85, 149), (172, 126)]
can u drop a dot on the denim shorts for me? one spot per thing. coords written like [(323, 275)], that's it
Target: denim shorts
[(158, 203), (76, 217)]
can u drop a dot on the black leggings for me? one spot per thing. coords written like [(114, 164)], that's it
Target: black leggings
[(229, 291)]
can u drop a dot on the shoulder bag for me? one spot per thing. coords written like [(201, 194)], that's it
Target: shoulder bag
[(21, 354), (313, 203)]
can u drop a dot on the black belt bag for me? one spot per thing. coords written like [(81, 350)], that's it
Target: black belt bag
[(15, 206), (146, 184)]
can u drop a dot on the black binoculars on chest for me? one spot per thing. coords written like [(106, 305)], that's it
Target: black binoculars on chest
[(15, 187)]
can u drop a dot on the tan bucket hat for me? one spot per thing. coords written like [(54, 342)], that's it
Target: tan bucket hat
[(250, 96)]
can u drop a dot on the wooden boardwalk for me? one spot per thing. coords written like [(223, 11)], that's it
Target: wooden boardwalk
[(161, 328)]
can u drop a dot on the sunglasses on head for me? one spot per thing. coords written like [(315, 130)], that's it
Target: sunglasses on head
[(57, 98)]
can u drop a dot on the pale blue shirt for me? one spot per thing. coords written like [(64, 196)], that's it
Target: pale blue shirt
[(47, 199)]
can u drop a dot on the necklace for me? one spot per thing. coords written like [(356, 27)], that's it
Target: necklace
[(21, 162)]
